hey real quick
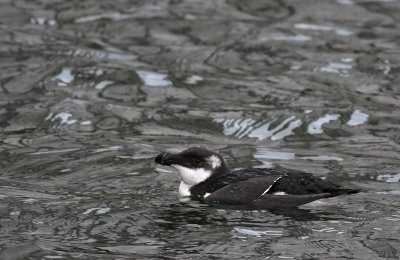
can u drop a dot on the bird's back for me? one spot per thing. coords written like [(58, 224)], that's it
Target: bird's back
[(286, 181)]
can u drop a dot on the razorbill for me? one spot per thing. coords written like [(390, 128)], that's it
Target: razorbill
[(206, 177)]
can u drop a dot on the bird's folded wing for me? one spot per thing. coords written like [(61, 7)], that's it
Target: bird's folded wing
[(244, 191)]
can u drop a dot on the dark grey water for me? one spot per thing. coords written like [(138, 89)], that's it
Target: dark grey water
[(91, 91)]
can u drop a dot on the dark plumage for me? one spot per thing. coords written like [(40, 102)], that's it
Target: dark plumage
[(256, 187)]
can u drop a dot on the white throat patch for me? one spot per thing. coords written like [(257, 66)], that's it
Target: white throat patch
[(190, 176)]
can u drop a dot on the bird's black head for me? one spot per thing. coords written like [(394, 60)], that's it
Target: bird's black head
[(195, 164)]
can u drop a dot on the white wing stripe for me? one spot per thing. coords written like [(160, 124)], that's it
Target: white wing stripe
[(271, 186)]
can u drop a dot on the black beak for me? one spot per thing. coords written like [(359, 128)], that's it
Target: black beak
[(163, 158)]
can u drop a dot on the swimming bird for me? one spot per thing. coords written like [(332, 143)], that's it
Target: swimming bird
[(206, 177)]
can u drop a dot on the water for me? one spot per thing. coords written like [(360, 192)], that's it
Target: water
[(90, 92)]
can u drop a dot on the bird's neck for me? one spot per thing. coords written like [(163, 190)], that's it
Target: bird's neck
[(220, 171)]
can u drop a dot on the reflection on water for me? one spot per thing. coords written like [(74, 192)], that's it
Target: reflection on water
[(315, 27), (357, 118), (102, 84), (338, 68), (259, 129), (263, 153), (316, 126), (194, 79), (257, 233), (395, 177), (153, 79), (275, 130), (90, 93)]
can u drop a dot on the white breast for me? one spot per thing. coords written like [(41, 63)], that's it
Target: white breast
[(192, 176), (184, 189)]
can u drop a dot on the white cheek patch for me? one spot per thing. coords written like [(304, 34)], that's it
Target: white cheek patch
[(214, 161), (192, 176)]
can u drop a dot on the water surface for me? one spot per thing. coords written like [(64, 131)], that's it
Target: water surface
[(91, 91)]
